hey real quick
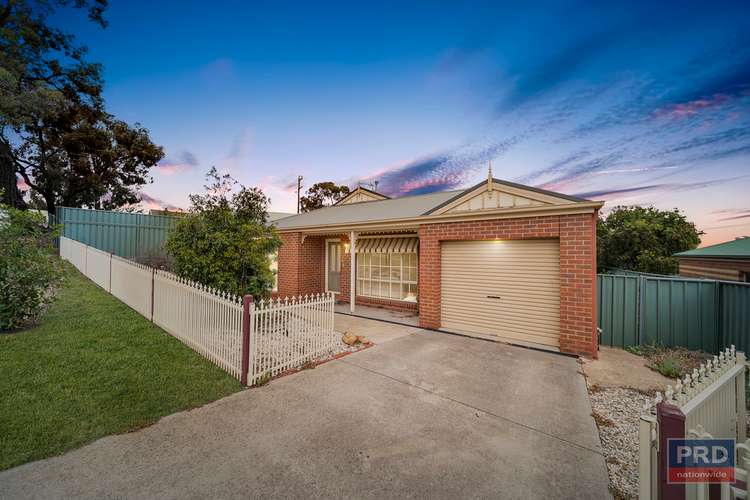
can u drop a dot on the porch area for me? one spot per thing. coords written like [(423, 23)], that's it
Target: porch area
[(399, 316)]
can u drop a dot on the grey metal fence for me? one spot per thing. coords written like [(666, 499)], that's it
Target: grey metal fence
[(695, 313), (124, 234)]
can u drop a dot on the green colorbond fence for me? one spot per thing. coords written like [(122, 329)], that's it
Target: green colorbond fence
[(694, 313), (618, 309), (124, 234)]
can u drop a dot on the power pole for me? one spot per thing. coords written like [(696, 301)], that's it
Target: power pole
[(299, 188)]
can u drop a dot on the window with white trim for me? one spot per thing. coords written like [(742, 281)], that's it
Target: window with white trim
[(387, 276)]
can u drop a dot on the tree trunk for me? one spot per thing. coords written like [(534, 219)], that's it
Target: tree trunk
[(49, 199), (11, 195)]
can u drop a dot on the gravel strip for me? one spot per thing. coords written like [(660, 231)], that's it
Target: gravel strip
[(617, 413)]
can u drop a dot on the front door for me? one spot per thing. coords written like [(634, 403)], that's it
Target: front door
[(333, 266)]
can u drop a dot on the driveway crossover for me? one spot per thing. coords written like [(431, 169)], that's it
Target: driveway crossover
[(424, 415)]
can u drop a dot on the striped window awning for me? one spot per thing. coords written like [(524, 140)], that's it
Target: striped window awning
[(387, 245)]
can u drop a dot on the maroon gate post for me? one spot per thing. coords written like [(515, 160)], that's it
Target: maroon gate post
[(671, 422), (246, 301)]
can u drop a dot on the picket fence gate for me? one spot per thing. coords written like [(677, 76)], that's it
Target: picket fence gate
[(709, 403), (251, 340)]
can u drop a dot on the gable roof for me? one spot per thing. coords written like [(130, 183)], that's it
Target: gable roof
[(735, 249), (367, 211), (361, 190), (412, 209), (511, 185)]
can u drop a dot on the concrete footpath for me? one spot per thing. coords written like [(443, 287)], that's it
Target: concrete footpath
[(421, 415)]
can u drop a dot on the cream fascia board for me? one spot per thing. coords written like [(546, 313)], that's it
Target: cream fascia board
[(502, 188), (413, 223)]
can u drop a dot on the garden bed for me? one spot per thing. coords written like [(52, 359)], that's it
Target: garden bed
[(617, 412)]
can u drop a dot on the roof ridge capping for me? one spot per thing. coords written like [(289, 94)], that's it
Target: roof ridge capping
[(509, 184)]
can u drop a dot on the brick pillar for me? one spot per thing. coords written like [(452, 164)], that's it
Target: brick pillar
[(577, 284), (429, 278)]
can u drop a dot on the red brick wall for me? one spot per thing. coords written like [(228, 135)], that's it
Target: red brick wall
[(722, 269), (301, 265), (577, 268)]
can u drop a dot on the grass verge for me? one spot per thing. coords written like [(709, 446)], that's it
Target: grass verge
[(93, 367)]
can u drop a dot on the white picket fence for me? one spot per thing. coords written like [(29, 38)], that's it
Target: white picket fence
[(281, 334), (207, 320), (290, 332), (711, 401)]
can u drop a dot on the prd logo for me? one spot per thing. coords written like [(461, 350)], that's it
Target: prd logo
[(700, 461)]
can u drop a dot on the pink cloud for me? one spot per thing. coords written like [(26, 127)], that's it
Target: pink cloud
[(171, 168), (692, 108), (21, 184), (185, 161), (441, 181), (150, 203)]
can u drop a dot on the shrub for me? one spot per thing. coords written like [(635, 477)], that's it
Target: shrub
[(224, 242), (669, 367), (28, 267)]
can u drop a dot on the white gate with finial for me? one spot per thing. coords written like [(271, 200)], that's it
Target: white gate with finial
[(286, 334), (710, 402)]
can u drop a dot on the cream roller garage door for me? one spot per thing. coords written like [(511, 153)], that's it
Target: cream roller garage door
[(509, 289)]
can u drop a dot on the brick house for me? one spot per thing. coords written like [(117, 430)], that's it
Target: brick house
[(724, 261), (498, 260)]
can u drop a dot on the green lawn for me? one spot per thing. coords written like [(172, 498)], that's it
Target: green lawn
[(91, 368)]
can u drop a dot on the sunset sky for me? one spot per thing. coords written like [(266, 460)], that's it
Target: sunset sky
[(632, 102)]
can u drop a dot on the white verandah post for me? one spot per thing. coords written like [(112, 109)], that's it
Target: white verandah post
[(352, 269)]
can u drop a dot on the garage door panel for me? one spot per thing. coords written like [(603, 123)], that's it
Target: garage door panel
[(525, 274), (505, 301), (548, 322), (509, 292), (513, 334), (538, 326), (488, 307), (511, 278)]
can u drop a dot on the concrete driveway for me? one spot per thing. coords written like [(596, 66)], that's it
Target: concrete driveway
[(420, 415)]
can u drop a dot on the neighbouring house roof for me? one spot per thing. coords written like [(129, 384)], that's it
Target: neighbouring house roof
[(511, 200), (735, 249)]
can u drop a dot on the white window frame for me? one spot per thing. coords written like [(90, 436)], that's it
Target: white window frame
[(401, 282)]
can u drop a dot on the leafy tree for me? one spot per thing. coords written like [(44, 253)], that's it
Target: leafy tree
[(54, 130), (28, 267), (322, 194), (644, 239), (223, 241)]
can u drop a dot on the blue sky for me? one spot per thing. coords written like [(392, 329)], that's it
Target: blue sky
[(630, 102)]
